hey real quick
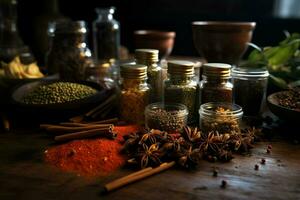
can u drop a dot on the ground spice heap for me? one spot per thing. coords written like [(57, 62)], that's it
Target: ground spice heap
[(90, 157)]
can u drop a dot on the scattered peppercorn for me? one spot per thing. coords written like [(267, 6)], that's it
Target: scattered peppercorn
[(269, 146), (263, 161), (223, 184), (268, 151), (215, 172), (256, 167)]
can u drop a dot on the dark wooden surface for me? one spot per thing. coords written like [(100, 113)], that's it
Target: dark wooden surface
[(23, 175)]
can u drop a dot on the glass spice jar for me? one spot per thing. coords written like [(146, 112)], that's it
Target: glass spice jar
[(220, 117), (68, 55), (181, 87), (135, 93), (250, 86), (215, 85), (149, 57)]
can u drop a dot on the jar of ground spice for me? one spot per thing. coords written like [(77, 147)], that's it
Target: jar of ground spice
[(215, 85), (181, 87), (68, 55), (221, 117), (250, 85), (135, 93), (149, 57)]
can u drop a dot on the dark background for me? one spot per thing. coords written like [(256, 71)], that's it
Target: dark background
[(163, 15)]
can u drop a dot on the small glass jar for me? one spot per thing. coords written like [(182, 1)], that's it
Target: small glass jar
[(135, 93), (68, 55), (220, 117), (182, 88), (149, 57), (215, 85), (166, 117), (250, 86)]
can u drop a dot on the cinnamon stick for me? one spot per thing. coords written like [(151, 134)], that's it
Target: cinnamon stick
[(72, 124), (106, 121), (58, 128), (137, 176), (86, 134)]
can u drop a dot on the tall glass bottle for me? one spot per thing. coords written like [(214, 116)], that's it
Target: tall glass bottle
[(106, 36)]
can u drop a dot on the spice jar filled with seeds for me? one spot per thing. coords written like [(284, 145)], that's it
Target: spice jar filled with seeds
[(149, 57), (68, 55), (135, 93), (181, 87), (220, 117), (250, 86), (215, 85), (166, 117)]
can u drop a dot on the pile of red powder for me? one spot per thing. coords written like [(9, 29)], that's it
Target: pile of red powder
[(90, 157)]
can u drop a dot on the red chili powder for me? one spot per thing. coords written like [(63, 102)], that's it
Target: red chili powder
[(90, 157)]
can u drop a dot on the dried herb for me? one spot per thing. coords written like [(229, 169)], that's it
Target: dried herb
[(290, 99)]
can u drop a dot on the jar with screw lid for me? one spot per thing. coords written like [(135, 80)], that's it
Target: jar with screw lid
[(181, 87), (135, 93), (149, 57), (250, 86), (215, 85)]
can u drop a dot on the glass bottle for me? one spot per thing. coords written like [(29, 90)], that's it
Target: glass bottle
[(69, 55), (221, 117), (149, 57), (135, 93), (11, 44), (215, 85), (106, 36), (250, 86), (182, 88)]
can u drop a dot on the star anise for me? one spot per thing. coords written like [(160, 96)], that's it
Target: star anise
[(150, 137), (191, 135), (149, 155), (131, 141), (189, 158)]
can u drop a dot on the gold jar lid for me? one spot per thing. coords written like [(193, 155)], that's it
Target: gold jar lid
[(216, 69), (147, 55), (181, 67), (134, 71)]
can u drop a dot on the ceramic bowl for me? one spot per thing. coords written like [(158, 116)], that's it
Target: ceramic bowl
[(220, 41), (154, 39)]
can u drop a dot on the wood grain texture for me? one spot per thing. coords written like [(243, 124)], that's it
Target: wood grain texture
[(23, 175)]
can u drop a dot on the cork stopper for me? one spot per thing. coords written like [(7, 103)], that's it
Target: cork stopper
[(134, 71), (181, 67), (216, 70), (146, 55)]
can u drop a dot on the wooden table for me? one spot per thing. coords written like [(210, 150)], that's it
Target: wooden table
[(23, 175)]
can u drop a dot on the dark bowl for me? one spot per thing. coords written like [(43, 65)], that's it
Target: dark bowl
[(220, 41), (154, 39), (280, 111)]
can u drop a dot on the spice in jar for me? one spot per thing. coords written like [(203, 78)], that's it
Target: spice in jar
[(222, 117), (149, 57), (135, 93), (250, 85), (215, 85), (58, 92), (69, 55), (166, 117), (182, 88)]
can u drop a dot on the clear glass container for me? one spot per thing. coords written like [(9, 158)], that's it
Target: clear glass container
[(135, 93), (182, 88), (220, 117), (106, 36), (215, 85), (250, 86), (166, 117), (68, 55), (149, 57)]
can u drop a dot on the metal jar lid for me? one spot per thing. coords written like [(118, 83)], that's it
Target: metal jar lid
[(181, 67), (134, 71), (148, 55), (216, 69)]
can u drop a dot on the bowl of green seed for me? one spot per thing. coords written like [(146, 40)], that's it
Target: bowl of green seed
[(166, 117), (58, 94)]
